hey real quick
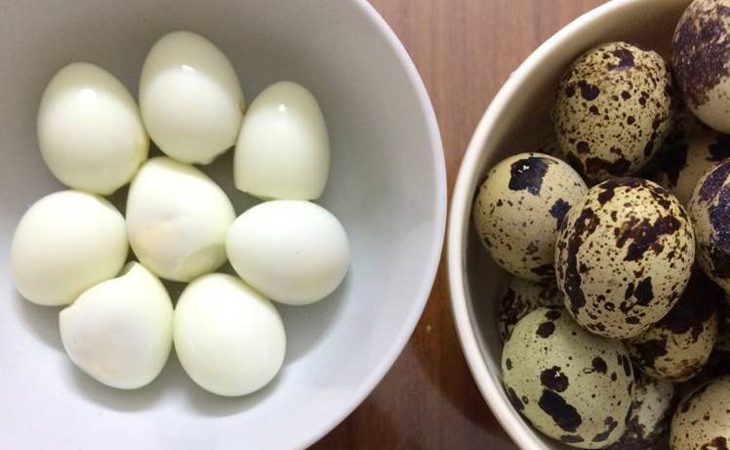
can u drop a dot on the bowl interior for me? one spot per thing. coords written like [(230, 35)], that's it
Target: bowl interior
[(518, 120), (387, 186)]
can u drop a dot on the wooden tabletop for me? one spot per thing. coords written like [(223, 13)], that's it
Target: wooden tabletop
[(464, 50)]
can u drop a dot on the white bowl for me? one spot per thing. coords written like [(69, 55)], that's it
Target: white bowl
[(387, 185), (517, 119)]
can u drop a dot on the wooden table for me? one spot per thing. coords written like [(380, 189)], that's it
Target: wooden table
[(464, 50)]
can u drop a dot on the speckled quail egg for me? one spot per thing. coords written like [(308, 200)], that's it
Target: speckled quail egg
[(651, 411), (624, 256), (685, 161), (570, 384), (702, 420), (614, 108), (519, 209), (521, 297), (709, 209), (701, 59), (678, 346)]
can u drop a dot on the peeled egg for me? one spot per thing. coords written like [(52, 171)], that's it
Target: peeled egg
[(65, 243), (89, 130), (177, 220), (283, 150), (120, 331), (190, 97), (291, 251), (229, 338)]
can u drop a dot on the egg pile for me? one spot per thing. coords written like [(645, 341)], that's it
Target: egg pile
[(71, 248), (618, 247)]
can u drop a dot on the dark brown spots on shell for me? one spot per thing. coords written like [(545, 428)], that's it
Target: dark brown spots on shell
[(593, 110), (695, 307), (630, 120), (594, 166), (563, 414), (571, 438), (545, 329), (527, 174), (584, 225), (647, 352), (714, 181), (543, 271), (645, 235), (531, 248), (588, 91), (569, 91), (719, 216), (644, 293), (554, 379), (625, 59), (599, 365), (515, 399), (626, 364), (625, 95), (559, 210), (508, 363), (582, 147), (552, 314), (611, 425), (718, 443)]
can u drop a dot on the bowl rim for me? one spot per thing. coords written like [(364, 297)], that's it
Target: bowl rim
[(437, 240), (459, 221)]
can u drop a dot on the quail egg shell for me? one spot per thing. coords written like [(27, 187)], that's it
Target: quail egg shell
[(177, 220), (89, 130), (700, 59), (571, 385), (709, 208), (190, 98), (65, 243), (120, 331), (519, 209), (614, 108), (292, 251), (651, 412), (283, 150), (521, 297), (679, 345), (624, 257), (702, 420), (229, 338)]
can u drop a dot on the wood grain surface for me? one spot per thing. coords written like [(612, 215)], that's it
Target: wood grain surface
[(464, 50)]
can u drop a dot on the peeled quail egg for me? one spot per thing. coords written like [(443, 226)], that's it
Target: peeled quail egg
[(291, 251), (190, 98), (521, 297), (229, 338), (65, 243), (614, 109), (702, 420), (700, 60), (89, 130), (624, 256), (570, 384), (120, 331), (519, 209), (177, 220), (679, 345), (283, 150)]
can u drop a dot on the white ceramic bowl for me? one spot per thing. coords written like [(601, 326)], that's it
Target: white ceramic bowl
[(387, 185), (517, 119)]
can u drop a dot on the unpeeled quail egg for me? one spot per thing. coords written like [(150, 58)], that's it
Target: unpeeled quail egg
[(283, 150), (190, 98), (519, 298), (177, 220), (292, 251), (89, 130), (65, 243), (229, 338), (120, 331), (702, 420)]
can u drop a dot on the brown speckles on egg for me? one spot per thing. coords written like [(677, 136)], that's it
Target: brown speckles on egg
[(619, 239), (535, 191), (521, 297), (633, 89), (702, 420)]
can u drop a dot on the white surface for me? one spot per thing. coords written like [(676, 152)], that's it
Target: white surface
[(387, 185), (283, 149), (292, 251), (228, 337), (525, 100)]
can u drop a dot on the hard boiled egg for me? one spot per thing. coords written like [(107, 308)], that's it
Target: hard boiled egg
[(190, 97), (229, 338), (283, 150), (120, 331), (65, 243), (89, 130), (291, 251), (177, 220)]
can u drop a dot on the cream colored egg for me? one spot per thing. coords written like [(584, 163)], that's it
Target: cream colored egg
[(177, 220), (89, 130), (291, 251), (120, 331), (229, 338), (702, 420), (190, 97), (283, 150), (65, 243)]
